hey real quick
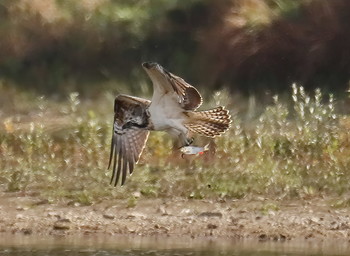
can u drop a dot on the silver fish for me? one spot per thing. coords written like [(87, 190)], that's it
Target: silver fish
[(193, 150)]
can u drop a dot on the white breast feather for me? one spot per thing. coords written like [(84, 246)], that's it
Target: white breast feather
[(166, 112)]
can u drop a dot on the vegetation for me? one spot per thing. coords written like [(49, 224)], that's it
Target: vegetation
[(294, 149), (59, 46), (57, 146)]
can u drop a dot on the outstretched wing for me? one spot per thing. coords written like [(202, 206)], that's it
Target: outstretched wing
[(190, 99), (129, 135), (166, 84), (125, 152)]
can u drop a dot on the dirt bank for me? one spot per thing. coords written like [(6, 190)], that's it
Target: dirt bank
[(258, 219)]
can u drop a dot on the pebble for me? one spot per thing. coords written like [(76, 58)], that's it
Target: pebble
[(108, 216), (27, 231), (63, 224), (212, 226), (20, 216), (210, 214)]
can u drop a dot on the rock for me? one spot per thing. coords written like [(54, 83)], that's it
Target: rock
[(210, 214), (185, 211), (136, 194), (162, 210), (271, 213), (41, 202), (310, 235), (53, 214), (263, 237), (134, 215), (27, 231), (73, 203), (20, 216), (63, 224), (212, 226), (279, 237), (339, 226), (108, 216), (282, 237)]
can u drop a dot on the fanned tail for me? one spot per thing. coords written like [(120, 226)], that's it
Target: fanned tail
[(209, 123)]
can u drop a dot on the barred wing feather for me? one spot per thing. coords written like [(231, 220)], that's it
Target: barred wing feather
[(126, 150), (129, 135)]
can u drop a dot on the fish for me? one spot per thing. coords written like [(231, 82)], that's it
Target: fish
[(194, 150)]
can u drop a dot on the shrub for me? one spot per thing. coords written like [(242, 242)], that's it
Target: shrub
[(294, 148)]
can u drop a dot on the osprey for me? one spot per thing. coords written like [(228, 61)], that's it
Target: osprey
[(172, 109)]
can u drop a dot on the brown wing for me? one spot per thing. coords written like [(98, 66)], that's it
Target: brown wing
[(190, 97), (126, 150), (129, 135), (127, 102), (164, 83)]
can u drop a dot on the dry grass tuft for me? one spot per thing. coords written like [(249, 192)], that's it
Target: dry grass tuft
[(292, 149)]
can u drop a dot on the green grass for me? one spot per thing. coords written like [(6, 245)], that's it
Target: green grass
[(295, 148)]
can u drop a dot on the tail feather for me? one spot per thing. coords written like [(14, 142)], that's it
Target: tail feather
[(209, 123)]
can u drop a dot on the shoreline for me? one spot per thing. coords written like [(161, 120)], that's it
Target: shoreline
[(259, 220)]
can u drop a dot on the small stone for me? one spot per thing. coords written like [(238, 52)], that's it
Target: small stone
[(212, 226), (20, 216), (41, 202), (65, 220), (310, 235), (63, 224), (271, 213), (108, 216), (210, 214), (283, 237), (314, 219), (263, 237), (53, 214), (136, 194), (73, 203), (279, 237), (185, 211), (162, 210), (27, 231)]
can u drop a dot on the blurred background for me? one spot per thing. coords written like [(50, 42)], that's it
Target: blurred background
[(62, 62), (247, 46)]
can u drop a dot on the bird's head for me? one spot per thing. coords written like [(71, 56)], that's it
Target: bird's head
[(155, 71), (150, 65)]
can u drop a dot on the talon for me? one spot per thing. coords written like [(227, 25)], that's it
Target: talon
[(182, 155), (189, 141)]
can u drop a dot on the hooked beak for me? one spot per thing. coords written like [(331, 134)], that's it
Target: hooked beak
[(156, 72), (153, 67), (149, 65)]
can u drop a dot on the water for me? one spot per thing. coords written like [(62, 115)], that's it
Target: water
[(135, 246)]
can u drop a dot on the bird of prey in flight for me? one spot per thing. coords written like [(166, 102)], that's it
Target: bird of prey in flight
[(172, 109)]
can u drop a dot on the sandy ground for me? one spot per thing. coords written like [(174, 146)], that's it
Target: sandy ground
[(261, 219)]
